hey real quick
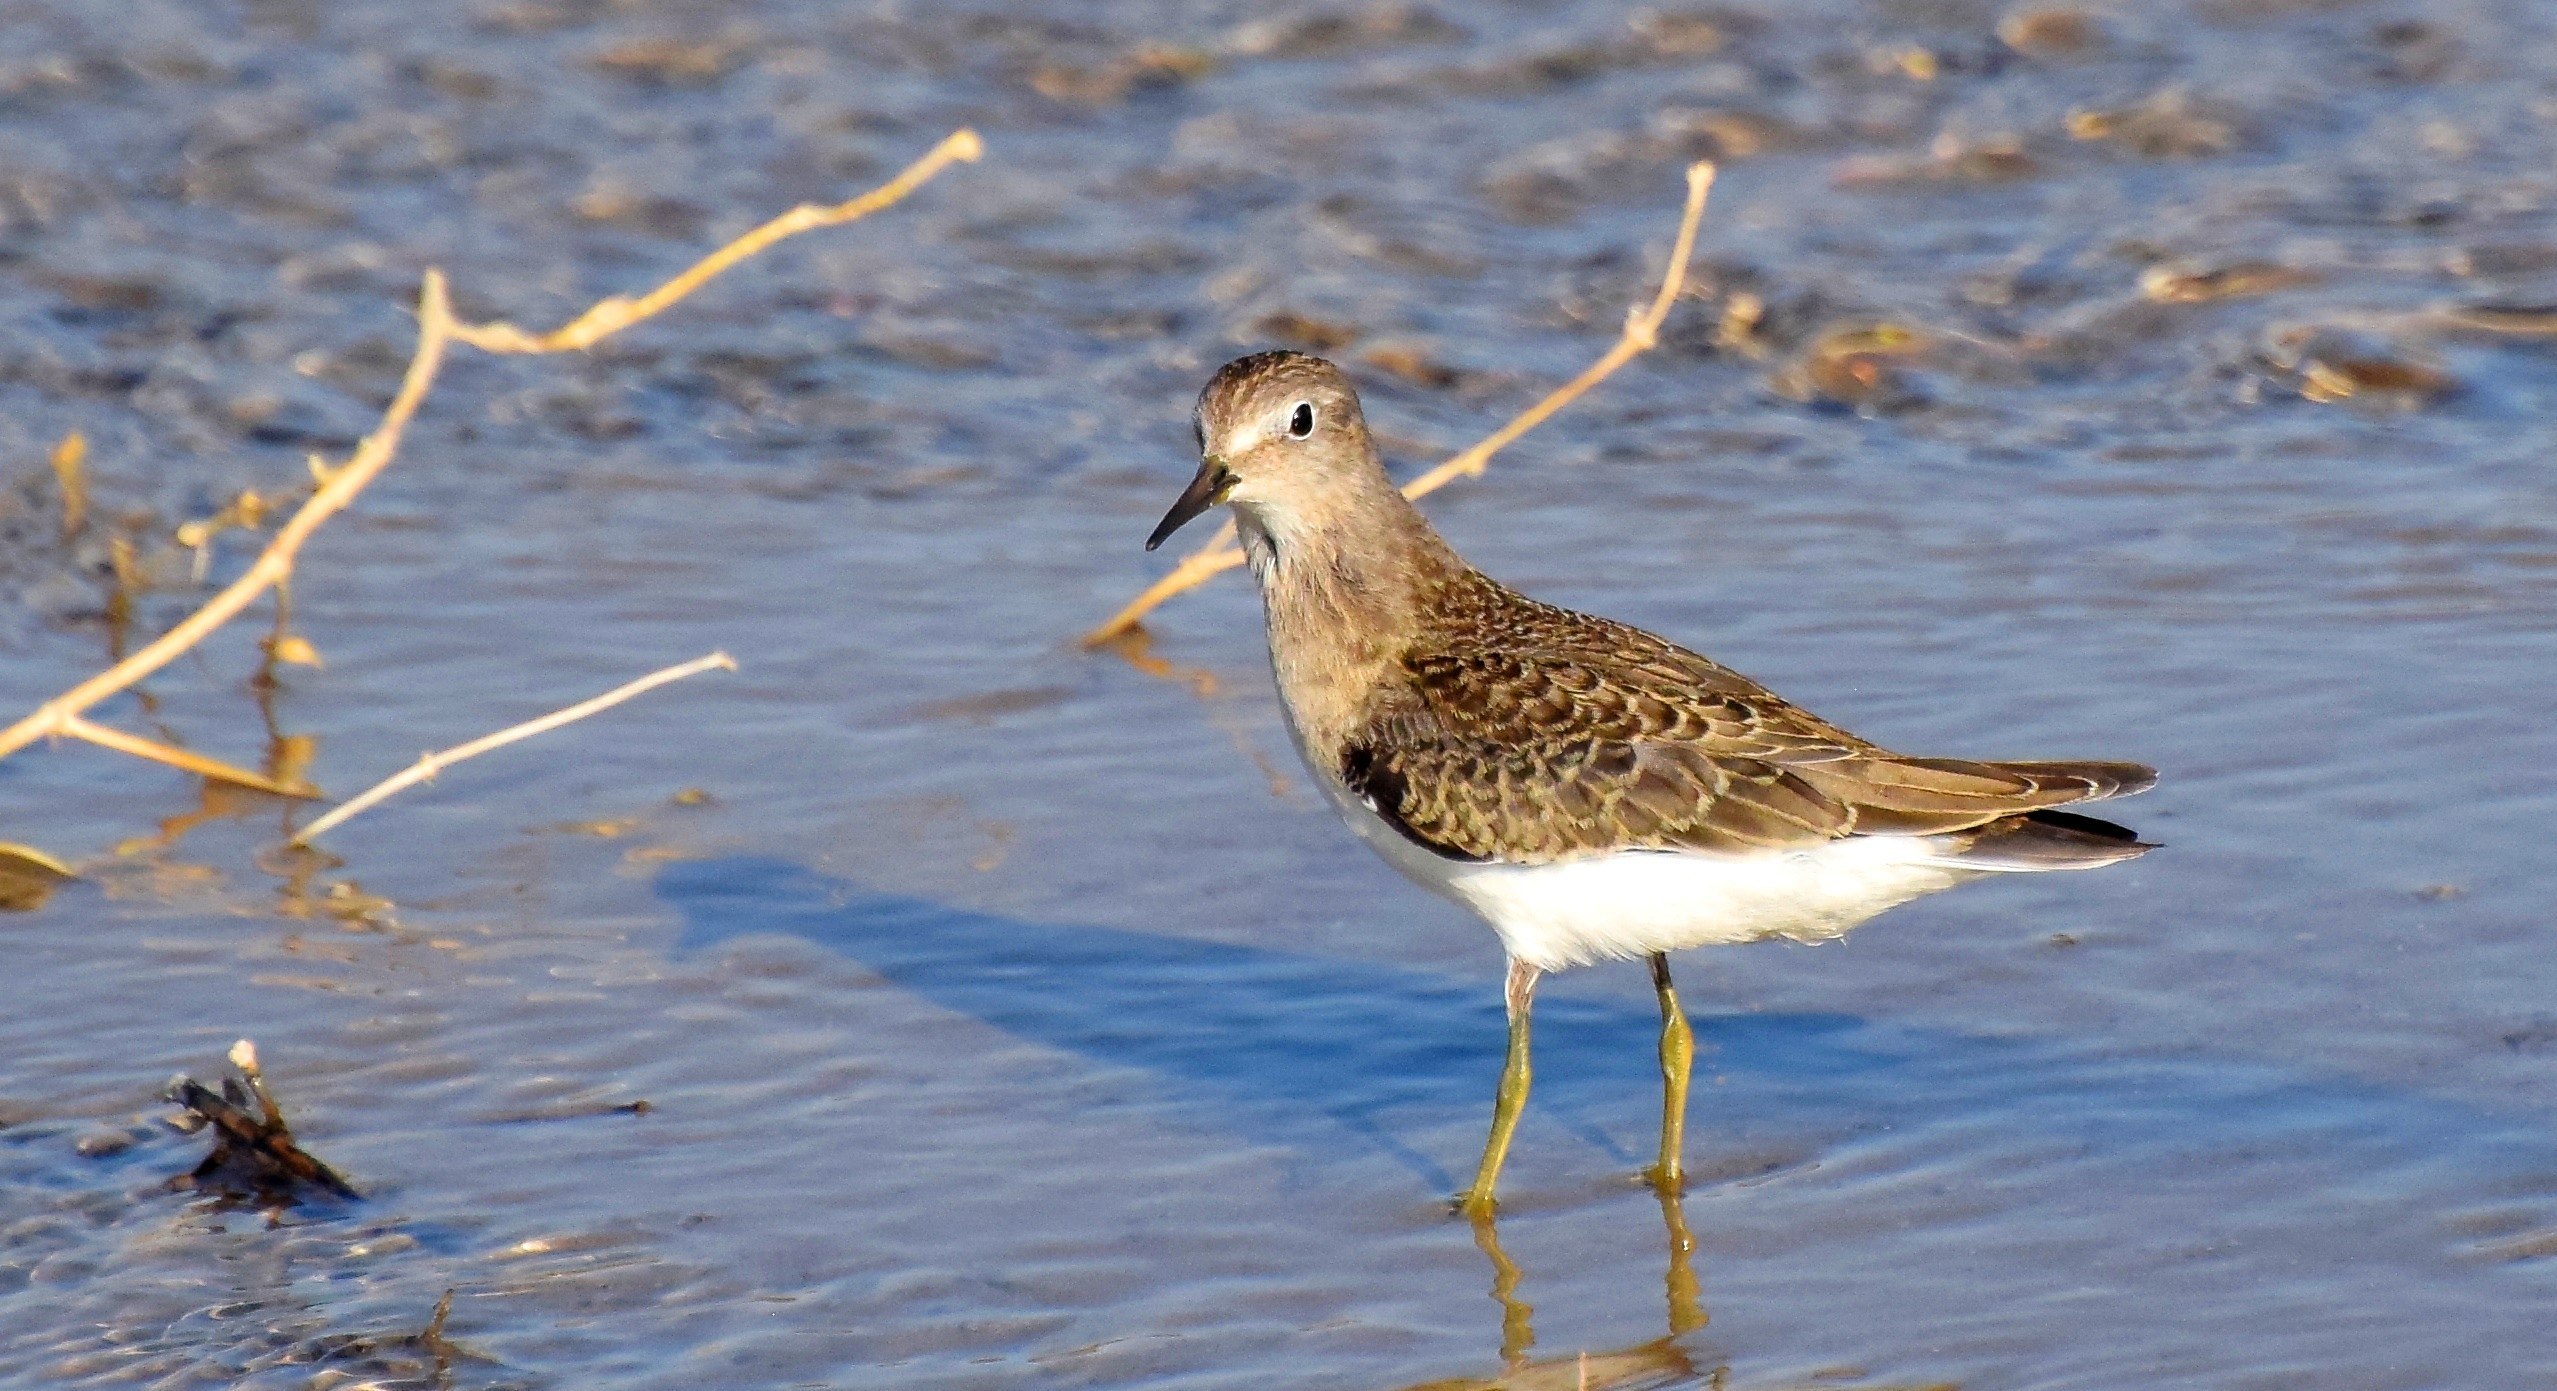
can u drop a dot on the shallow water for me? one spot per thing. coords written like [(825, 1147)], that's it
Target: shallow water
[(1008, 1015)]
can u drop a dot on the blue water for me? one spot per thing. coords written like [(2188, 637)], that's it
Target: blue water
[(1011, 1015)]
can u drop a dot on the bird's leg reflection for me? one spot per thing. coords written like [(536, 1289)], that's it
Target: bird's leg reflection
[(1517, 1317), (1686, 1296), (1657, 1363)]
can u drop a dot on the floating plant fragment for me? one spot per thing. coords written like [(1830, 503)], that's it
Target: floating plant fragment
[(2177, 284), (2386, 379), (2329, 365), (28, 877)]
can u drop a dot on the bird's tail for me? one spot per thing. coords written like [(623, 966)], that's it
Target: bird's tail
[(2040, 840)]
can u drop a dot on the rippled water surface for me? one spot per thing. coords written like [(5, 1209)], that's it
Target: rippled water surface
[(2164, 382)]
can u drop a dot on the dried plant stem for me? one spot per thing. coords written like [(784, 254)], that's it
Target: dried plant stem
[(1219, 555), (80, 727), (613, 315), (1642, 332), (67, 457), (427, 766), (433, 1337), (62, 716)]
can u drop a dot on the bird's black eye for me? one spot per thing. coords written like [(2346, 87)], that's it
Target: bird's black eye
[(1300, 422)]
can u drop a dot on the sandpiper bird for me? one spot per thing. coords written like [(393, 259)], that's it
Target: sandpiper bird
[(1591, 791)]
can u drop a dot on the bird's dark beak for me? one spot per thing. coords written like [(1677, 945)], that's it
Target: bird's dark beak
[(1214, 481)]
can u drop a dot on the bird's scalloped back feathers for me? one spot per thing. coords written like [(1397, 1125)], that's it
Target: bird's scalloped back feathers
[(1526, 733)]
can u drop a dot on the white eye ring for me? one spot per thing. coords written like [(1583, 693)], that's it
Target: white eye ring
[(1300, 421)]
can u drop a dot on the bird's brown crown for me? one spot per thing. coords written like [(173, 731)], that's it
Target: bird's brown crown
[(1282, 411)]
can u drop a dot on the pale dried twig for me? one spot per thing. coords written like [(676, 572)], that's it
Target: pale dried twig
[(63, 716), (613, 315), (428, 765), (105, 737), (1642, 332), (67, 457)]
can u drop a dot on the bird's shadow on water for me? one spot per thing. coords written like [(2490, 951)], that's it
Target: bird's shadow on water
[(1298, 1049)]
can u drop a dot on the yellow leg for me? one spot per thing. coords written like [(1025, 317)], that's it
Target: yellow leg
[(1677, 1060), (1512, 1098)]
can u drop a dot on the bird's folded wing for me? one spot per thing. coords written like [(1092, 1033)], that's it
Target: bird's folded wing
[(1530, 756)]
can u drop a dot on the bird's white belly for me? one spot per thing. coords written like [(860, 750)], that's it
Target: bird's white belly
[(1631, 903)]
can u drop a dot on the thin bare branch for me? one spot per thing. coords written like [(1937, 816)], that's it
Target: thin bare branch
[(613, 315), (1219, 555), (426, 767), (67, 458), (338, 486), (1642, 332), (434, 328), (80, 727)]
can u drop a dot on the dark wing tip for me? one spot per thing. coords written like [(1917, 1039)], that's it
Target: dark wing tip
[(2046, 839), (2079, 824), (1380, 785)]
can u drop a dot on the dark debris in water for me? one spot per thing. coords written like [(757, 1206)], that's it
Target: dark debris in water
[(2329, 367), (28, 877), (2368, 378), (2056, 32), (426, 1358), (253, 1147)]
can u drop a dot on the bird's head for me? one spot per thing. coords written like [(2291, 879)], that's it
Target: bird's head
[(1281, 438)]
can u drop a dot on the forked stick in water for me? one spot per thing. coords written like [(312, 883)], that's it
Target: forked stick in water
[(65, 714), (428, 765)]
